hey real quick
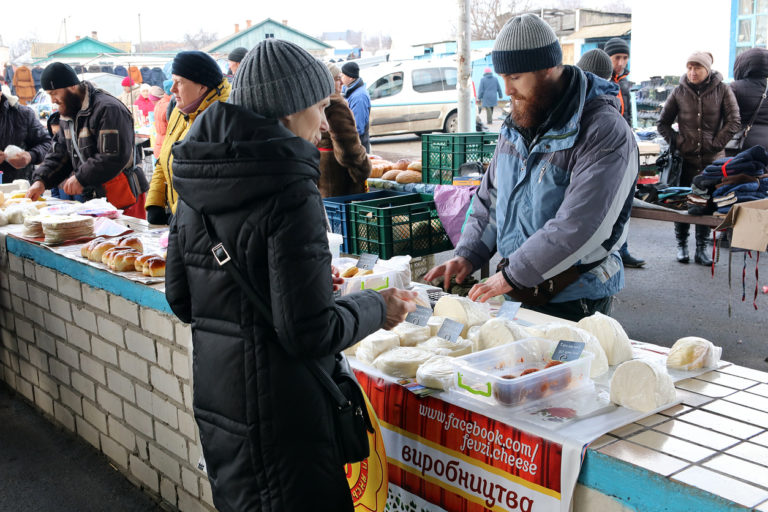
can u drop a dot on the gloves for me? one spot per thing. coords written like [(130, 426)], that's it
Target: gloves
[(156, 215)]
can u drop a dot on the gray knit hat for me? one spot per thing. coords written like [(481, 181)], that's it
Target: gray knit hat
[(616, 45), (598, 62), (278, 78), (526, 43)]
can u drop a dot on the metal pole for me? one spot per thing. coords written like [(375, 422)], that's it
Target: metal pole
[(140, 33), (463, 40)]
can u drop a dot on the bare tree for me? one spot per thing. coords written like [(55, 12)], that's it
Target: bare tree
[(199, 40), (489, 16), (21, 46)]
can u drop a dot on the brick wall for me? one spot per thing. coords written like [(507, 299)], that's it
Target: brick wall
[(107, 369)]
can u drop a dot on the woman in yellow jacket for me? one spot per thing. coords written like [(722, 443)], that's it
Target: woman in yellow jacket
[(197, 84)]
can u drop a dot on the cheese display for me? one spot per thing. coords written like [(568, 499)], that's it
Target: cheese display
[(373, 345), (17, 212), (402, 362), (463, 310), (411, 334), (498, 331), (641, 385), (435, 323), (691, 353), (611, 336), (3, 218), (443, 347), (557, 332), (437, 372)]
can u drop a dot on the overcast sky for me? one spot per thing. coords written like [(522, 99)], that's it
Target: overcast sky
[(407, 21)]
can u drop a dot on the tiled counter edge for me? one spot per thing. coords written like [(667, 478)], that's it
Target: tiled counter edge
[(104, 358)]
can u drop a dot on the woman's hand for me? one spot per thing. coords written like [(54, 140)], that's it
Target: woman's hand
[(399, 303), (336, 279)]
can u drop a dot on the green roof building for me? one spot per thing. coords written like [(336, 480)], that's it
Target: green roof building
[(266, 29)]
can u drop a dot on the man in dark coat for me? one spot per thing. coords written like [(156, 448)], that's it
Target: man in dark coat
[(488, 93), (20, 127), (250, 165), (750, 72)]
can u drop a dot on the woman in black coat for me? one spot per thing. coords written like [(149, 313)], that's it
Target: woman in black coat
[(266, 424), (750, 72)]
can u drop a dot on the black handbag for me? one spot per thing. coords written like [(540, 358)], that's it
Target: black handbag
[(670, 166), (352, 421), (736, 144)]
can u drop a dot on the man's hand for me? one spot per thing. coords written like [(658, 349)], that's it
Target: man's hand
[(72, 187), (336, 279), (494, 286), (2, 156), (399, 304), (36, 190), (458, 266), (21, 160)]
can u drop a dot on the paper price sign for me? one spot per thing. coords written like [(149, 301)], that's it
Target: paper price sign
[(450, 330), (367, 261), (568, 350), (420, 316), (509, 310)]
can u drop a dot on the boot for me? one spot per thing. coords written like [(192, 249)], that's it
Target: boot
[(681, 233), (629, 260), (702, 236)]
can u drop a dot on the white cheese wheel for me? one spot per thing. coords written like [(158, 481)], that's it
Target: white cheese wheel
[(691, 353), (3, 218), (15, 214), (499, 331), (411, 334), (443, 347), (375, 344), (435, 323), (641, 385), (437, 372), (557, 332), (402, 362), (611, 336), (463, 310)]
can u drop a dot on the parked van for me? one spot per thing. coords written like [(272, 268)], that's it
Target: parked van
[(413, 96)]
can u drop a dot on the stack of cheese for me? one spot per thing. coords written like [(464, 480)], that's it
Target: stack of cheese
[(61, 228)]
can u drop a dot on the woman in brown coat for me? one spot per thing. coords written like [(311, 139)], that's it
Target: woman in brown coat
[(707, 117), (344, 164)]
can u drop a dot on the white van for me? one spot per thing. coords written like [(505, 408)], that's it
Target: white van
[(413, 96)]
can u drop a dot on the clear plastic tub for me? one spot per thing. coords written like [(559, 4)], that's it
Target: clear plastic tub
[(494, 375)]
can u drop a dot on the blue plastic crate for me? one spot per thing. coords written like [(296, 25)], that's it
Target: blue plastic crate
[(337, 209)]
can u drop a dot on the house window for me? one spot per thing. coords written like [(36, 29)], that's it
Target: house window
[(751, 25), (269, 36)]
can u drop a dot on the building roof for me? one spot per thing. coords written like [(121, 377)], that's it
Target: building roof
[(85, 47), (603, 31), (231, 41)]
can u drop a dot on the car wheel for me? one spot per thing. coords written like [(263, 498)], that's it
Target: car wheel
[(451, 123)]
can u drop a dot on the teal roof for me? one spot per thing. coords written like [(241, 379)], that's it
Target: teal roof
[(85, 47), (254, 34)]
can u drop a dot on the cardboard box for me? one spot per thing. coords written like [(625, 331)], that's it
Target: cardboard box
[(750, 225)]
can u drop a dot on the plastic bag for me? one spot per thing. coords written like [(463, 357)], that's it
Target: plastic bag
[(12, 151)]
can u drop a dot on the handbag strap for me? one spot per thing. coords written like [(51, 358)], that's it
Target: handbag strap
[(757, 110), (225, 261)]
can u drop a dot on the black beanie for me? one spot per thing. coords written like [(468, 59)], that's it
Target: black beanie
[(238, 54), (616, 45), (197, 66), (58, 75), (351, 69)]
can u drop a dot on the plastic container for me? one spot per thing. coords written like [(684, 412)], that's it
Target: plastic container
[(443, 154), (494, 375), (334, 243), (337, 209), (399, 225)]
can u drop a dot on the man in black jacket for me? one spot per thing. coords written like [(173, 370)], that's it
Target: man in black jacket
[(20, 127), (95, 142)]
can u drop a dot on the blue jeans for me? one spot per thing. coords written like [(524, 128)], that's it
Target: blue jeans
[(57, 192)]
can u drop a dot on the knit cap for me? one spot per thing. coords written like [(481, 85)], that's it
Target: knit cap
[(198, 67), (702, 59), (351, 69), (616, 45), (278, 78), (598, 62), (526, 43), (127, 82), (156, 91), (238, 54), (58, 75), (167, 84)]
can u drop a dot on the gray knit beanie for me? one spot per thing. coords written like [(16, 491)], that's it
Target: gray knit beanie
[(278, 78), (616, 45), (598, 62), (526, 43)]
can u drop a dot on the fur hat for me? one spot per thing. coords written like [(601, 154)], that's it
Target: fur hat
[(526, 43)]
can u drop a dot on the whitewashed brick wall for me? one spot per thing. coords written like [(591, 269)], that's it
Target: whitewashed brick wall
[(108, 370)]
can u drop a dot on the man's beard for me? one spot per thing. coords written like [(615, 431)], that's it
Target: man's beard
[(531, 112), (72, 104)]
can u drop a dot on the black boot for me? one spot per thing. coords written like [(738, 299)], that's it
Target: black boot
[(681, 233), (702, 235)]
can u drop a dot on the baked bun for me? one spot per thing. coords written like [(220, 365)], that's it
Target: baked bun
[(133, 242), (402, 164), (408, 177), (125, 261), (154, 267), (415, 166), (98, 250), (109, 254), (85, 252), (391, 175), (139, 265)]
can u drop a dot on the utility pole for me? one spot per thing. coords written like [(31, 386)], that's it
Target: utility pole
[(140, 33), (65, 30), (463, 41)]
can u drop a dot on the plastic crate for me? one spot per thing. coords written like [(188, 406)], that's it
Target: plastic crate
[(400, 225), (443, 154), (337, 209)]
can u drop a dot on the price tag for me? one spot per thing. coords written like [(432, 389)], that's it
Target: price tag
[(450, 330), (420, 316), (568, 350), (367, 261), (509, 309)]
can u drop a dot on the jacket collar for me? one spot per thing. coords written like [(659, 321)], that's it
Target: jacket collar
[(218, 93), (352, 87), (712, 81)]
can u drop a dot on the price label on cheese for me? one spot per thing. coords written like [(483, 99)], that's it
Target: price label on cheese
[(568, 350), (450, 330), (367, 261), (509, 309), (420, 316)]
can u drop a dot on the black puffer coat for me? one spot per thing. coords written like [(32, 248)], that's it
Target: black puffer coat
[(265, 422), (750, 71), (19, 126)]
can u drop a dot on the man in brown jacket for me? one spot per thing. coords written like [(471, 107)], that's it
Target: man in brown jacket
[(344, 164)]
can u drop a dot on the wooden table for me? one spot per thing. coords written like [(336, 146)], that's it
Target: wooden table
[(670, 216)]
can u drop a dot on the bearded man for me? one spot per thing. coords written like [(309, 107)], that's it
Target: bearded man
[(556, 197), (95, 141)]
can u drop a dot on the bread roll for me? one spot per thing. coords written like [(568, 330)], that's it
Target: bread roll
[(409, 177), (133, 242), (390, 175), (139, 265), (109, 254), (125, 261), (98, 250), (85, 252), (377, 171), (415, 166), (402, 164), (350, 272), (154, 267)]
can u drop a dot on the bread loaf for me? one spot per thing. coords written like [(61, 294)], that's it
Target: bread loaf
[(390, 175), (409, 177), (133, 242), (415, 166), (98, 250), (85, 252), (109, 254), (402, 164), (154, 267), (125, 261), (139, 265)]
